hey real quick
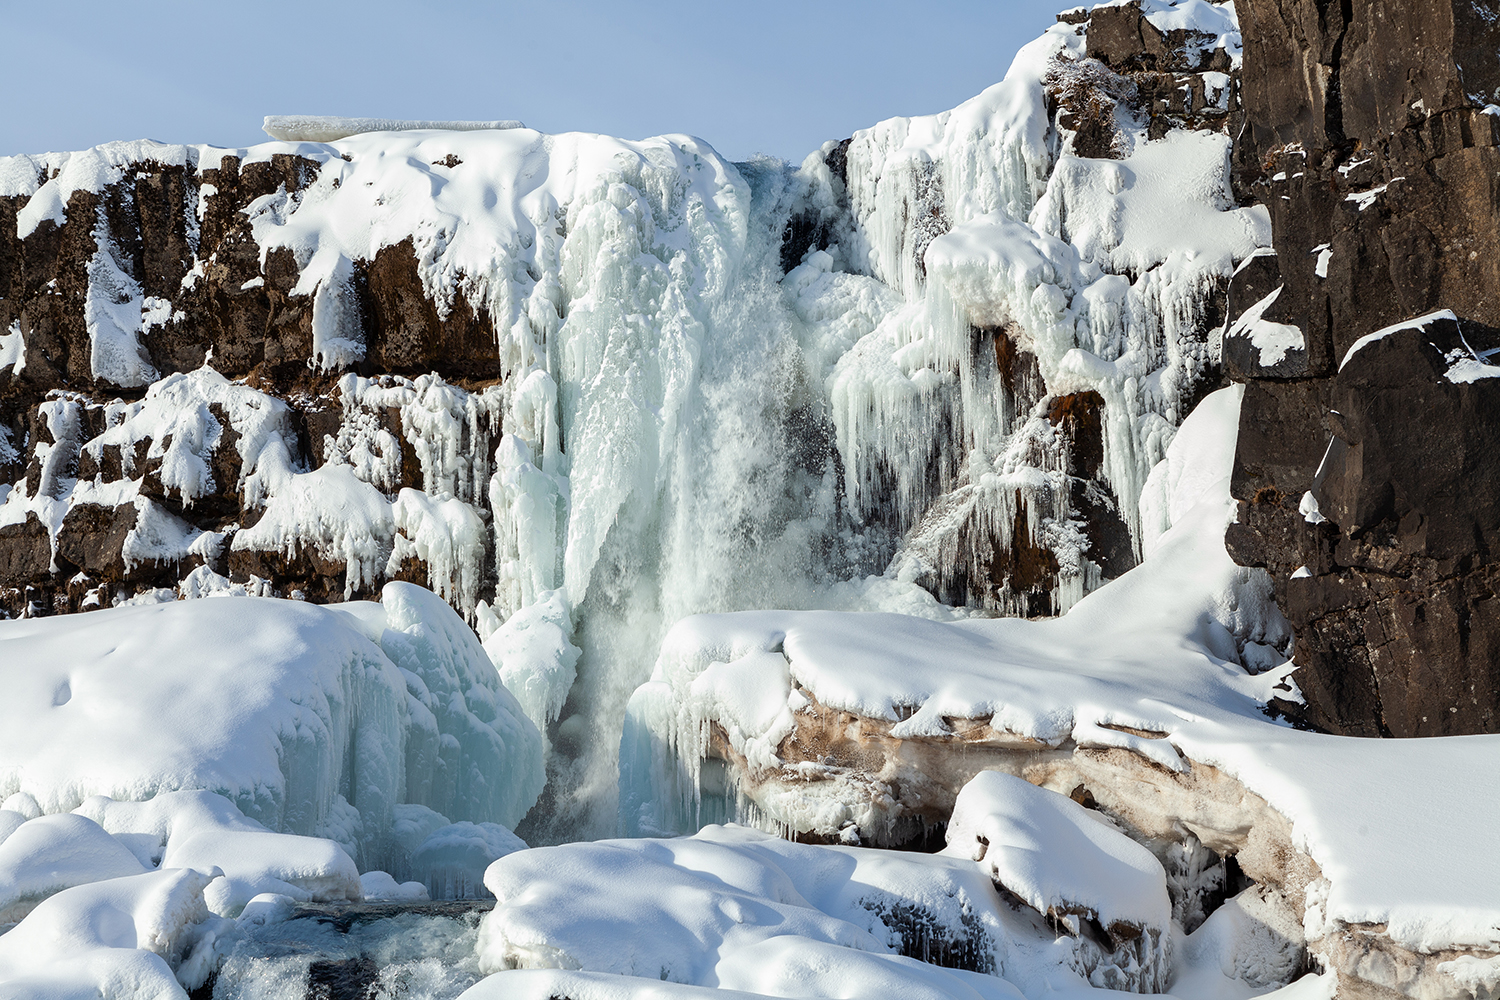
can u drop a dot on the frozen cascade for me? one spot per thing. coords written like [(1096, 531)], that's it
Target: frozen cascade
[(919, 369)]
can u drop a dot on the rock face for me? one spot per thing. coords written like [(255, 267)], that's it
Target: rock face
[(1366, 475), (152, 489)]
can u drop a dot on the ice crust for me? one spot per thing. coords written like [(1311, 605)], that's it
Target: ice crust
[(326, 128)]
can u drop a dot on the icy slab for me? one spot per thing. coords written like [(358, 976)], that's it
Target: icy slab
[(327, 128), (142, 937), (1059, 857), (1149, 663), (311, 720)]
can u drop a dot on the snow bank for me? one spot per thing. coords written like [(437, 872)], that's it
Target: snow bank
[(314, 721)]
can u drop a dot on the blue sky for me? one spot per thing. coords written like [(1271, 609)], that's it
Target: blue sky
[(774, 77)]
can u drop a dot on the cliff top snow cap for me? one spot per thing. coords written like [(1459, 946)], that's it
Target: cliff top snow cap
[(325, 128)]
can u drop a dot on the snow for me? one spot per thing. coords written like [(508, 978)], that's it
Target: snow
[(307, 719), (138, 937), (50, 853), (380, 886), (745, 913), (203, 830), (1364, 199), (534, 655), (1418, 323), (330, 511), (1273, 340), (13, 349), (708, 909), (1325, 254), (1308, 508), (327, 128), (1058, 856), (177, 418)]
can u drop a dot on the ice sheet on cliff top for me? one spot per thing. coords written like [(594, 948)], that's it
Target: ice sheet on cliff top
[(1397, 826)]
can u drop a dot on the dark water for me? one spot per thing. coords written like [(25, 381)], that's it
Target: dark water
[(356, 951)]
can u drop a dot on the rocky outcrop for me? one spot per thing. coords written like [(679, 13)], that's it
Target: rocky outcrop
[(1365, 480)]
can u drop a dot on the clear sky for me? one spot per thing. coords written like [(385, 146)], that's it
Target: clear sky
[(766, 76)]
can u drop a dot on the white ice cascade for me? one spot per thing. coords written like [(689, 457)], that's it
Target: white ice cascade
[(691, 430), (698, 413)]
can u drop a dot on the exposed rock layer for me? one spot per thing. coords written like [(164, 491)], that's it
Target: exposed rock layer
[(1371, 139)]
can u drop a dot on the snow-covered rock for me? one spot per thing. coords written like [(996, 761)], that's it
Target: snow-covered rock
[(51, 853), (140, 937)]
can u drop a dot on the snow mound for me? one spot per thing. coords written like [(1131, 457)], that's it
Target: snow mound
[(733, 907), (1062, 859), (51, 853), (137, 938), (310, 720), (380, 886)]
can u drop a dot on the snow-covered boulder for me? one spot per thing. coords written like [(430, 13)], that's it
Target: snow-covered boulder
[(380, 886), (1077, 869), (729, 905), (51, 853)]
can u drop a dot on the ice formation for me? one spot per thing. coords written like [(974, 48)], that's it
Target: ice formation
[(1153, 664), (721, 385), (311, 720)]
